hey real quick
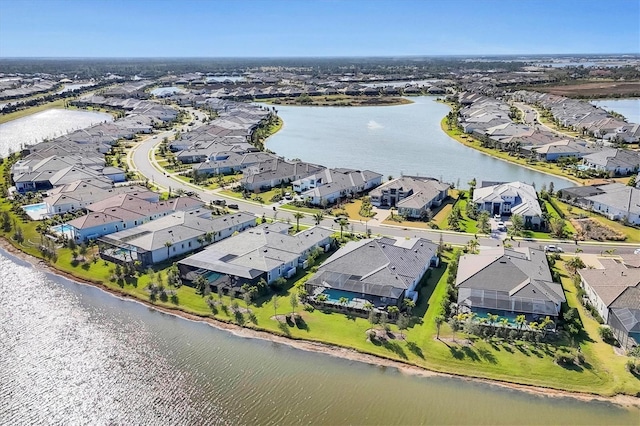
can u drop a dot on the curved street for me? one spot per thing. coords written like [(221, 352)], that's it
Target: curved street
[(140, 158)]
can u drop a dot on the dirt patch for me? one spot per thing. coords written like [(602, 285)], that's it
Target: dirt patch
[(383, 335), (591, 229), (595, 89)]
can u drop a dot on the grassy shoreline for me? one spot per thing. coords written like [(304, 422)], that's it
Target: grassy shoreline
[(338, 100), (338, 330), (469, 141)]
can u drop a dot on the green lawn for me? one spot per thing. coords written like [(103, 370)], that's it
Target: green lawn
[(495, 359), (309, 210)]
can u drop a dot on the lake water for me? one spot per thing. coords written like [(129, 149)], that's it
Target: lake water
[(51, 123), (72, 354), (630, 108), (392, 140)]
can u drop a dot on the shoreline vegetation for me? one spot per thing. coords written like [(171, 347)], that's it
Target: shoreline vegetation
[(528, 368), (338, 351), (471, 142), (337, 100)]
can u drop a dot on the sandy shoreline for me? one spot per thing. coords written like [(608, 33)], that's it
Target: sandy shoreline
[(336, 351)]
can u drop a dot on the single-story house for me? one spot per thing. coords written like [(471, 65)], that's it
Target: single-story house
[(330, 185), (382, 271), (265, 252), (508, 282), (614, 291)]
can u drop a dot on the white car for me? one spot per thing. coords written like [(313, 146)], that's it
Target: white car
[(553, 249), (501, 226), (636, 251)]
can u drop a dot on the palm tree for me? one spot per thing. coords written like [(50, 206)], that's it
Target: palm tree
[(318, 217), (520, 321), (298, 216), (574, 264), (473, 245), (393, 311), (274, 302), (167, 244), (439, 320), (200, 240), (343, 301), (343, 223), (408, 304)]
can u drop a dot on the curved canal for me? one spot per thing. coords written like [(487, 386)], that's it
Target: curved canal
[(73, 354)]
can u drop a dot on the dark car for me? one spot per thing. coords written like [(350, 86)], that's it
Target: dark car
[(233, 206)]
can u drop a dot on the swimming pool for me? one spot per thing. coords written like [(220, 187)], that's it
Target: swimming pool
[(335, 295), (36, 211)]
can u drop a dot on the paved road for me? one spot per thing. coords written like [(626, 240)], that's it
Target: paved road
[(140, 160)]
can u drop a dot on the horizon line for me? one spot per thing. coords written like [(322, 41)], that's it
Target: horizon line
[(483, 55)]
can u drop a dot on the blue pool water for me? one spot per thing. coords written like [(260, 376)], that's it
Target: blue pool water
[(61, 228), (335, 295), (212, 276), (35, 207)]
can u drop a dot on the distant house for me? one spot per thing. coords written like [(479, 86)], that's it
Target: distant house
[(510, 198), (614, 291), (620, 162), (412, 195), (381, 271), (265, 252), (565, 148), (170, 236), (330, 185), (508, 282)]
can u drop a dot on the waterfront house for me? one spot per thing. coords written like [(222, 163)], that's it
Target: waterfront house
[(613, 289), (170, 236), (412, 195), (618, 162), (508, 282), (382, 271), (265, 252), (124, 211)]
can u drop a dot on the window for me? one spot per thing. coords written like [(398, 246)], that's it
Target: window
[(174, 249), (189, 243)]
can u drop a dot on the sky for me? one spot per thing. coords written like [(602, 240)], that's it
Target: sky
[(304, 28)]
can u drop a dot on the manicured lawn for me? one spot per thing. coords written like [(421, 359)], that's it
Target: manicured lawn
[(309, 210), (497, 359)]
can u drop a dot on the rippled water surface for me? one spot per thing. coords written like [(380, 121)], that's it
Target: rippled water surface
[(72, 354), (630, 108), (50, 124), (392, 140)]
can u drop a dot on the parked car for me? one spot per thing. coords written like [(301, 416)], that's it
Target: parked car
[(233, 206), (497, 217), (288, 196), (553, 249), (501, 226)]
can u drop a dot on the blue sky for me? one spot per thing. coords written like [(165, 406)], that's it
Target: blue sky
[(268, 28)]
